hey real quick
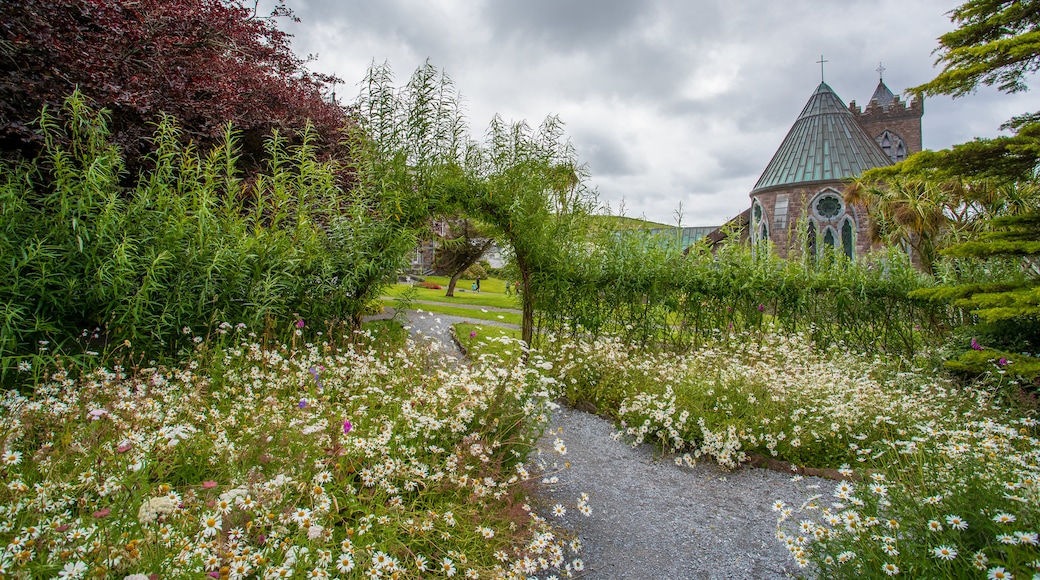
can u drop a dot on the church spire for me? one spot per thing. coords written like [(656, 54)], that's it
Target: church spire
[(824, 144)]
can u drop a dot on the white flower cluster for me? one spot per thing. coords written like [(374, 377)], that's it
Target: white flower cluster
[(155, 507)]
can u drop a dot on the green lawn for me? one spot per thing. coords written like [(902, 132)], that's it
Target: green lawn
[(473, 313), (492, 293), (475, 339)]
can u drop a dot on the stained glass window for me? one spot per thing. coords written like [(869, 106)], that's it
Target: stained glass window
[(846, 238), (892, 145), (828, 207), (810, 240)]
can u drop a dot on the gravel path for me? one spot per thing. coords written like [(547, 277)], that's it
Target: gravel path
[(651, 518), (436, 328)]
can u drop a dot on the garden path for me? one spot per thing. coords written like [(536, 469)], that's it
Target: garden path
[(651, 518)]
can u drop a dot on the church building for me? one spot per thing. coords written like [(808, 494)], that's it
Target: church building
[(802, 186)]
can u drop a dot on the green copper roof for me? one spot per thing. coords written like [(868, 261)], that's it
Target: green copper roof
[(824, 144)]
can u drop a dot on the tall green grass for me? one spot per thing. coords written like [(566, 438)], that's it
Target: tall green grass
[(191, 243), (650, 292)]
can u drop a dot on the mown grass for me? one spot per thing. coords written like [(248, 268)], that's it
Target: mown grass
[(492, 293), (470, 313), (480, 340)]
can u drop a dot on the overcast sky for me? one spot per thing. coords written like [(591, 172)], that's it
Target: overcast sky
[(669, 102)]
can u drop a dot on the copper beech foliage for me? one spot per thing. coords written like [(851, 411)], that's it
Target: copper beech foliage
[(205, 62)]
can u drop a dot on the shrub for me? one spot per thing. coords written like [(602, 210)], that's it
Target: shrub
[(475, 271), (190, 244), (144, 58), (647, 291)]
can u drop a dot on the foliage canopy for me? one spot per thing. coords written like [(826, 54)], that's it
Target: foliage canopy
[(204, 62), (996, 42)]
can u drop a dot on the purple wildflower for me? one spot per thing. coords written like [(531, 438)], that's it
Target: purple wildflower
[(347, 426), (473, 334), (300, 324), (761, 307), (314, 373), (303, 403), (1002, 362), (975, 344)]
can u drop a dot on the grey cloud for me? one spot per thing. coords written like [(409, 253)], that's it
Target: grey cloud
[(668, 101), (606, 156), (570, 25)]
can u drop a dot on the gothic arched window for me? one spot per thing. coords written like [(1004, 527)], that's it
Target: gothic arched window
[(810, 239), (760, 232), (892, 145), (846, 238), (828, 238)]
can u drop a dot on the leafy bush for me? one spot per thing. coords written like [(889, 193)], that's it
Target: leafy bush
[(191, 244), (475, 271), (140, 59), (647, 291)]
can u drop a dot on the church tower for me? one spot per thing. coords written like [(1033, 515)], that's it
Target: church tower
[(798, 203), (894, 125)]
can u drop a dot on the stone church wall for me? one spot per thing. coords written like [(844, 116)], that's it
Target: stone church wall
[(900, 118), (786, 235)]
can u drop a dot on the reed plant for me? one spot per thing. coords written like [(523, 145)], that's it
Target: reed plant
[(650, 291), (192, 241)]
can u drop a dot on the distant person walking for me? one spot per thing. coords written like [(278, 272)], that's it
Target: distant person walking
[(478, 284)]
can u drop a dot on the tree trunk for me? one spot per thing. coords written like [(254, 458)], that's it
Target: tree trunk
[(465, 266), (451, 283), (527, 302)]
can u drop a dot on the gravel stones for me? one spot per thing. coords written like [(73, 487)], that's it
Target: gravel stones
[(654, 519)]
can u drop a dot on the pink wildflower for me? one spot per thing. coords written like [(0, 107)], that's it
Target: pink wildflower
[(300, 323), (209, 484), (347, 426), (102, 512)]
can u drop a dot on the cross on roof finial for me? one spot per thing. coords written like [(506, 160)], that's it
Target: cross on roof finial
[(820, 62), (880, 71)]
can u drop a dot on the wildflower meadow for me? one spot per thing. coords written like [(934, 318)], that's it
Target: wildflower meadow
[(932, 478), (267, 460)]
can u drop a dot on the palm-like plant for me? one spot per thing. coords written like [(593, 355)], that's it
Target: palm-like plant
[(905, 212)]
